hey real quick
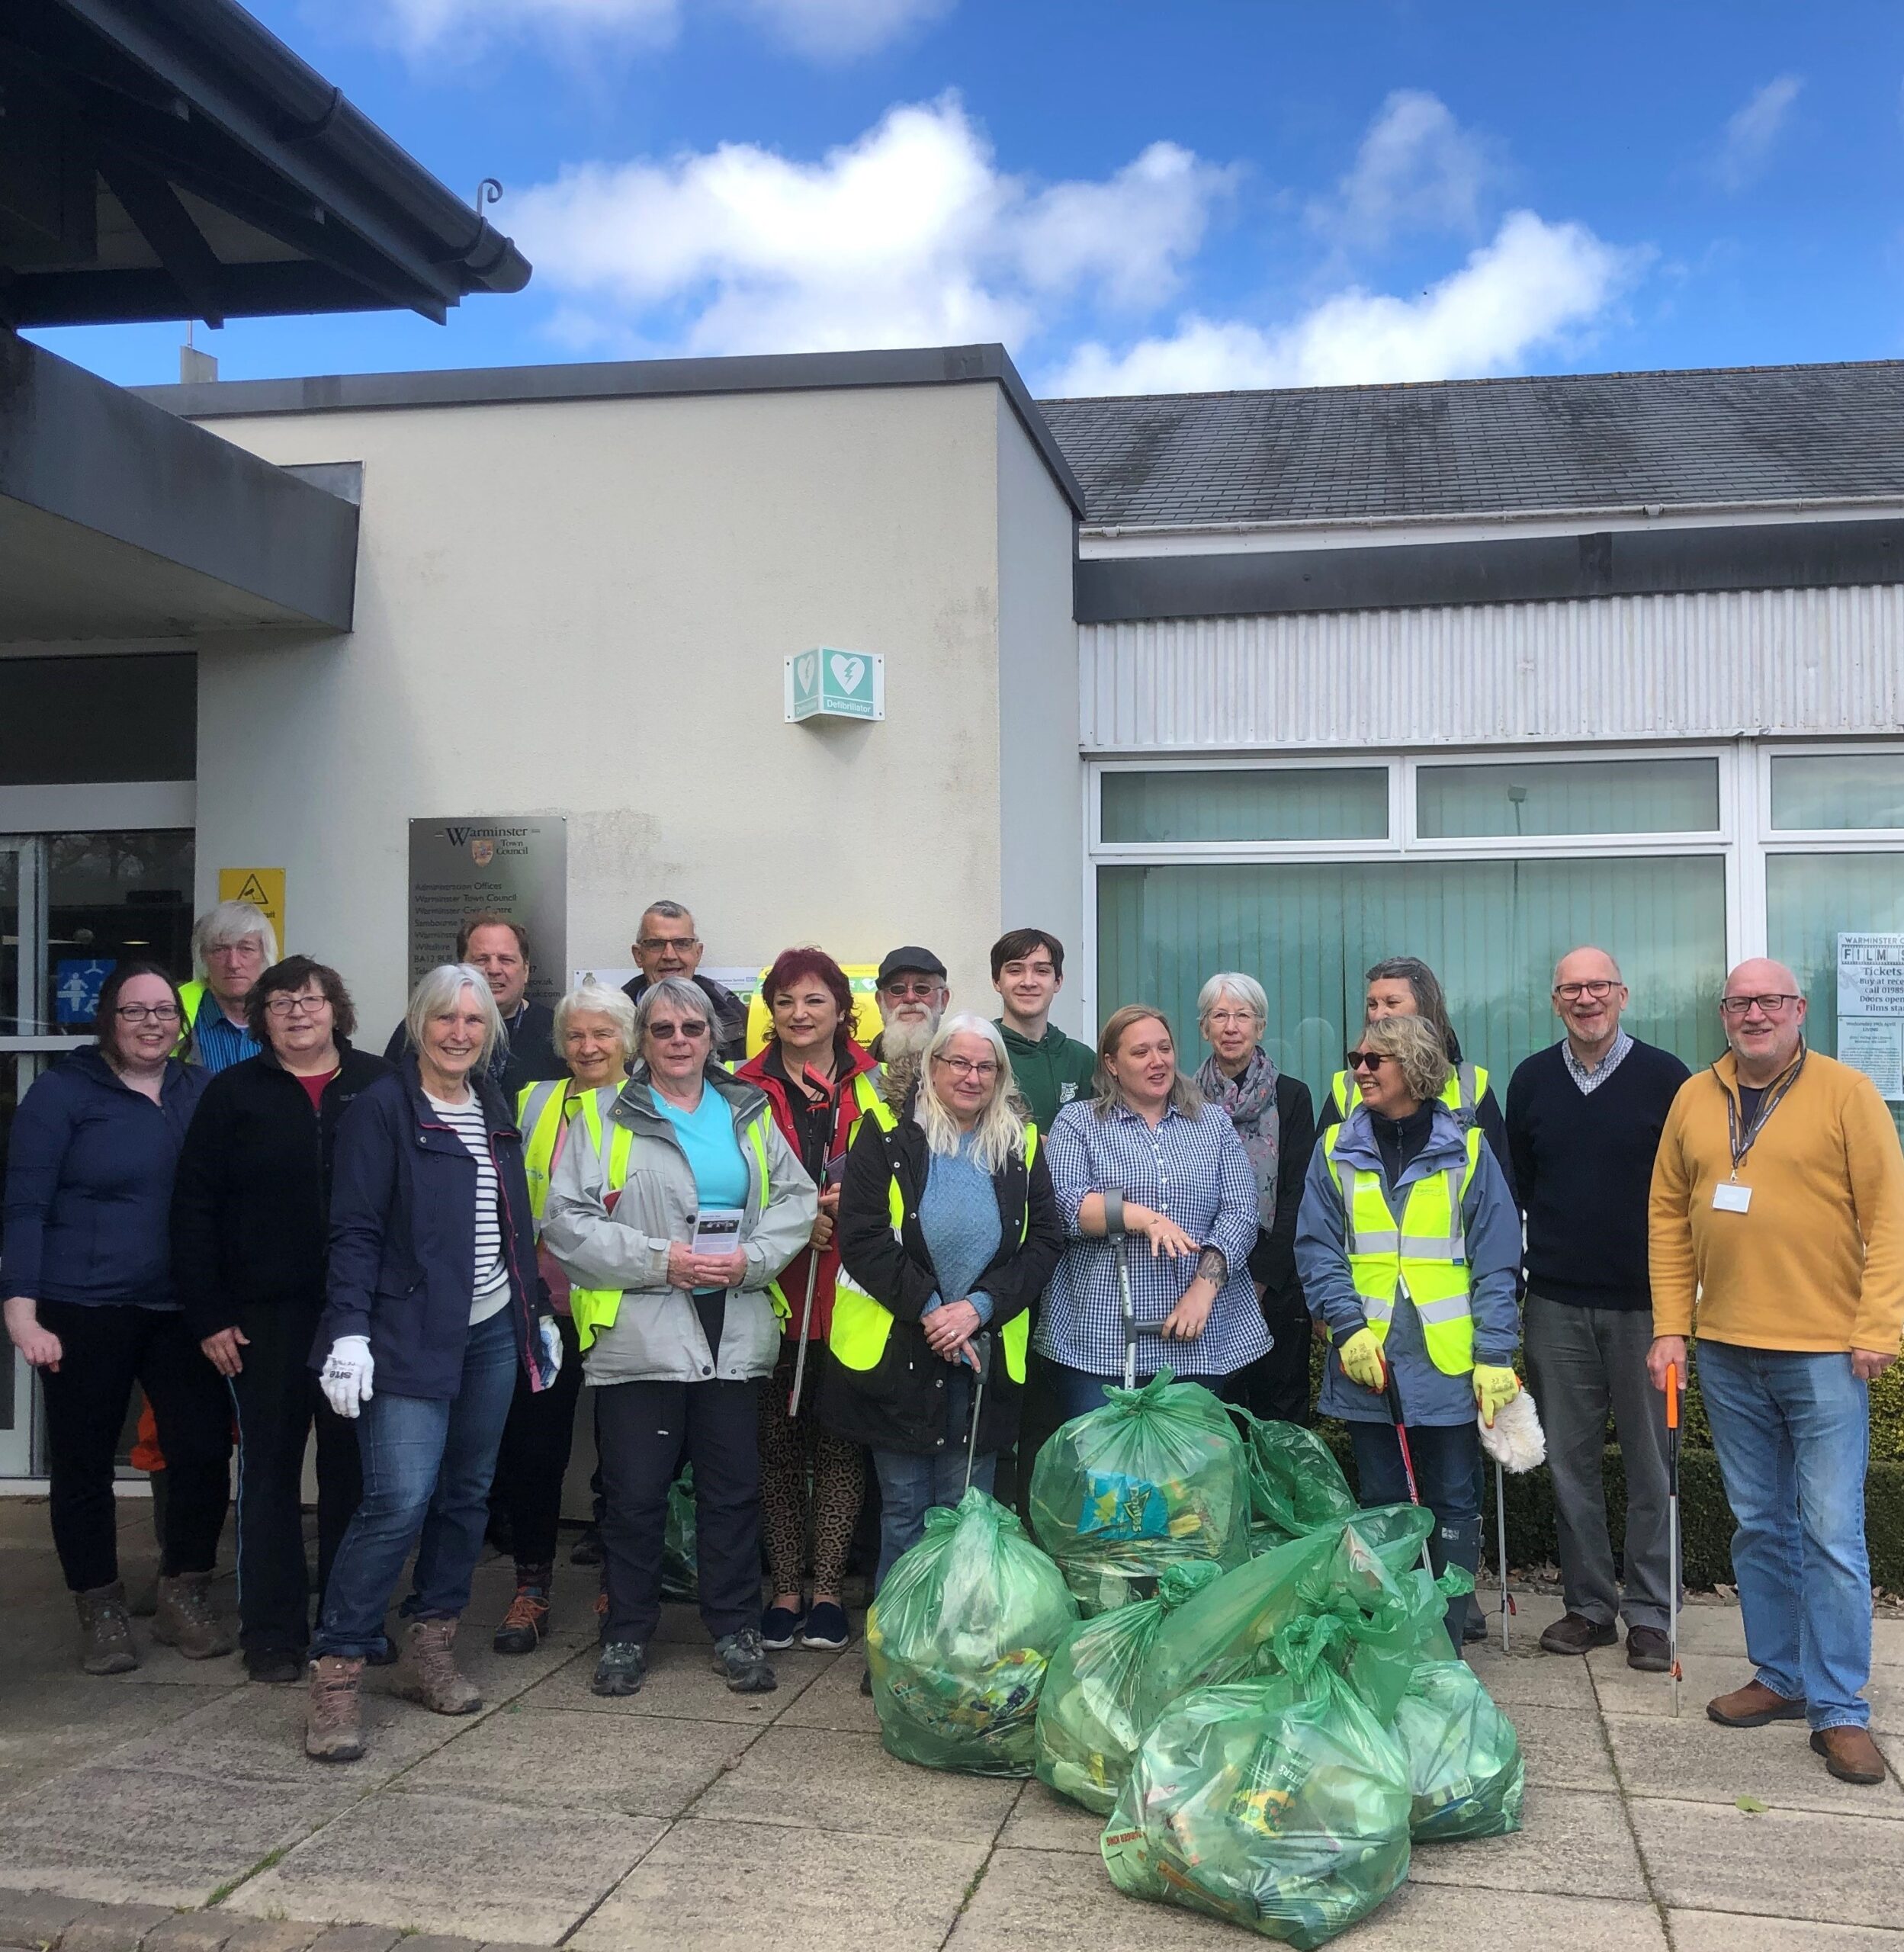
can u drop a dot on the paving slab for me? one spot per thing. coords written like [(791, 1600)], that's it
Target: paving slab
[(1887, 1642), (1572, 1844), (726, 1886), (1886, 1694), (826, 1779), (681, 1684), (1534, 1679), (1696, 1760), (1043, 1820), (552, 1760), (1031, 1901), (36, 1917), (454, 1865), (1621, 1691), (200, 1932), (57, 1721), (1709, 1629), (1424, 1918), (1787, 1863), (112, 1927), (154, 1836), (1727, 1931), (833, 1700), (1563, 1749), (359, 1938)]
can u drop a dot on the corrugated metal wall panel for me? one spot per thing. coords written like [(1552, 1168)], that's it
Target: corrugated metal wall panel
[(1714, 664)]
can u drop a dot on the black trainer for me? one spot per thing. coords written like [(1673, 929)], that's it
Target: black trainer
[(740, 1659), (622, 1669)]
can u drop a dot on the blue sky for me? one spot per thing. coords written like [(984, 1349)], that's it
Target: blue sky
[(1204, 193)]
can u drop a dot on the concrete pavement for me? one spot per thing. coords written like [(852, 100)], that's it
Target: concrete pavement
[(173, 1808)]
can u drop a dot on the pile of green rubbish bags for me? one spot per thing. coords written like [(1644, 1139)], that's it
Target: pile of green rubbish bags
[(1215, 1649)]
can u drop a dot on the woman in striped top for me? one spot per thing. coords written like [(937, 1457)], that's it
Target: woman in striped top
[(433, 1305)]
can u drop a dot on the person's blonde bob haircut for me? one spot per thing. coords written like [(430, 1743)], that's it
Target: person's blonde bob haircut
[(1415, 1044), (600, 1000), (1184, 1095), (999, 1134), (435, 995)]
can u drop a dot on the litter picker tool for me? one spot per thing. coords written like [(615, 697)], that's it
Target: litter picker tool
[(1672, 1530), (1501, 1528), (982, 1350), (835, 1169), (1130, 1316), (1392, 1396)]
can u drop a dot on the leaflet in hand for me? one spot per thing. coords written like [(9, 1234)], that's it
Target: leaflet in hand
[(717, 1230)]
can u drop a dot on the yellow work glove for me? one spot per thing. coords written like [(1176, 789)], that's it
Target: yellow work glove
[(1494, 1390), (1362, 1360)]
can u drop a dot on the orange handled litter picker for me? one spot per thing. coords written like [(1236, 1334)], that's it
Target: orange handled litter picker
[(1672, 1529)]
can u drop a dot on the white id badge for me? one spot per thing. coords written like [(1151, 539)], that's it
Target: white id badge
[(1729, 1197)]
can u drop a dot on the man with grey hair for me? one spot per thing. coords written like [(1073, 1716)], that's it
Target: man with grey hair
[(232, 945), (1583, 1121), (666, 944), (913, 996)]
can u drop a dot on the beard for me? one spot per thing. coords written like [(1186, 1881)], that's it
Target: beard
[(908, 1038)]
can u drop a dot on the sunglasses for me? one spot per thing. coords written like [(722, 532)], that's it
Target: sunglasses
[(666, 1033), (1365, 1060)]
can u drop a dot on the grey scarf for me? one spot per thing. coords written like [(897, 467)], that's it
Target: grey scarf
[(1250, 1099)]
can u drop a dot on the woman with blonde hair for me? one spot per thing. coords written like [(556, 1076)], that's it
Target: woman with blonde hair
[(1148, 1169)]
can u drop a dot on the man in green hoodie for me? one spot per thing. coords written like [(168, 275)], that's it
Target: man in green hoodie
[(1050, 1069)]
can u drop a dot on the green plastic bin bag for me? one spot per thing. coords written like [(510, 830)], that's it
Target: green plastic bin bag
[(1157, 1477), (1280, 1804), (1086, 1734), (958, 1640), (1465, 1771), (680, 1575), (1296, 1486)]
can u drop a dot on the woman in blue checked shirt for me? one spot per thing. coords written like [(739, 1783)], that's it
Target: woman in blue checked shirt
[(1147, 1160)]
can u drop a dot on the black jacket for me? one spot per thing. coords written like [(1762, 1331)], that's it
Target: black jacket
[(251, 1198), (402, 1237), (900, 1404), (530, 1058), (1273, 1258)]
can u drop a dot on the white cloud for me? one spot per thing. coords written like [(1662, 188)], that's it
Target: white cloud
[(1534, 283), (822, 30), (1417, 169), (909, 236), (1746, 146), (838, 29)]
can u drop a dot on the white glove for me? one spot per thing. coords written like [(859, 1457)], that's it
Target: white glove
[(551, 1349), (345, 1377)]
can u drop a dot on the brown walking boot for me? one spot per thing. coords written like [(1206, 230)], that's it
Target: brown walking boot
[(432, 1678), (105, 1631), (333, 1731), (1850, 1754), (526, 1624), (1752, 1706), (186, 1619)]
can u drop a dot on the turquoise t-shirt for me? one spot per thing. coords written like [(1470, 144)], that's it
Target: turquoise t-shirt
[(707, 1137)]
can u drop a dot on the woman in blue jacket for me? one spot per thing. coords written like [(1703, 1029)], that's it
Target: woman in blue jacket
[(90, 1303), (432, 1304)]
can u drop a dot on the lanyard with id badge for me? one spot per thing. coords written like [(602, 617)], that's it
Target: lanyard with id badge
[(1729, 1197)]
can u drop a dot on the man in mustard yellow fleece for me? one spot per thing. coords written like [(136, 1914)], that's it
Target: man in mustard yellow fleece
[(1778, 1204)]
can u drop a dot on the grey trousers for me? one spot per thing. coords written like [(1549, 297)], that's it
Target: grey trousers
[(1581, 1361)]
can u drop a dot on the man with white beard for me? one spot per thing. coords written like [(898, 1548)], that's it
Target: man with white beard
[(913, 996)]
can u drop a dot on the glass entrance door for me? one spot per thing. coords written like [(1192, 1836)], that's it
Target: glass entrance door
[(19, 958)]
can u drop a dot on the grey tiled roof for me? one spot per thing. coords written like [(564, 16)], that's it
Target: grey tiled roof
[(1475, 446)]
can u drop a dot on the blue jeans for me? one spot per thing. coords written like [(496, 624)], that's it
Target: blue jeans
[(428, 1463), (910, 1485), (1792, 1433), (1448, 1479)]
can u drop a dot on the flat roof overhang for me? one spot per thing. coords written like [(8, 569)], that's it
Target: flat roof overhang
[(118, 519)]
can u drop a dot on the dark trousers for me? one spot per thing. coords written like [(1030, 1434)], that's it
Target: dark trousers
[(1076, 1392), (104, 1352), (1444, 1475), (1277, 1385), (278, 1400), (535, 1457), (646, 1429)]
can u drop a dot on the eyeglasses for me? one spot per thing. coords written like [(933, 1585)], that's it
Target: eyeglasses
[(969, 1067), (281, 1005), (666, 1033), (927, 989), (1366, 1060), (1770, 1004), (1224, 1018), (653, 944), (147, 1012), (1571, 993)]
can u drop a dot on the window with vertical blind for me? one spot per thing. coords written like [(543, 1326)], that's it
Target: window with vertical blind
[(1291, 803)]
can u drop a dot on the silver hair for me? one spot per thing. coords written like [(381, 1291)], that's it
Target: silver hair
[(613, 1004), (999, 1134), (229, 923), (1413, 1043), (680, 993), (1232, 982), (435, 995), (669, 911)]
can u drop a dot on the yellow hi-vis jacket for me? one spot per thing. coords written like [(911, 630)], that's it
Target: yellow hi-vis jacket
[(1424, 1259), (539, 1113), (1466, 1086), (861, 1324)]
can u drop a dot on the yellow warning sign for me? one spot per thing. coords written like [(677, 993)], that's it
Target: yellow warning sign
[(263, 887)]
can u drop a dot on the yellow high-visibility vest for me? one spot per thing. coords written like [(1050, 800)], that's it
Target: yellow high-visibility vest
[(540, 1109), (1424, 1259), (863, 1324), (1466, 1086), (595, 1308)]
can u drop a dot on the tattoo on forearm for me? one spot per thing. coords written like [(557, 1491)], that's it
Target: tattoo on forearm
[(1211, 1267)]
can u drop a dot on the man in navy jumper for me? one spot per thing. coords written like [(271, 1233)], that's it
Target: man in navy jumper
[(1583, 1121)]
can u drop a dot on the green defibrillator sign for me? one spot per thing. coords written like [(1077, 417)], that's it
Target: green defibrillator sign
[(825, 683)]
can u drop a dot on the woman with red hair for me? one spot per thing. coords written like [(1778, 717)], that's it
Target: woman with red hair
[(820, 1083)]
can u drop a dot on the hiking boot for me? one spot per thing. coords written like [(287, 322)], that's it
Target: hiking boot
[(186, 1619), (1753, 1706), (432, 1678), (1649, 1650), (105, 1631), (275, 1665), (1850, 1754), (527, 1622), (622, 1669), (1575, 1633), (741, 1661), (333, 1731)]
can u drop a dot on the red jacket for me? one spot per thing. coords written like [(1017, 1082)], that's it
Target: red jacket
[(847, 1111)]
